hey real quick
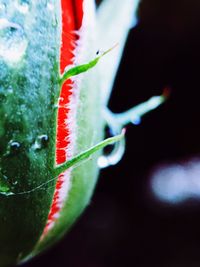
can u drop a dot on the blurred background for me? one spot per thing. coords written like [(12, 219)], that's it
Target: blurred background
[(146, 210)]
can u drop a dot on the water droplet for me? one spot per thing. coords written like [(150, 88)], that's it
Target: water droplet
[(41, 142), (10, 90), (13, 43), (14, 148), (2, 7), (23, 6), (50, 6), (136, 120)]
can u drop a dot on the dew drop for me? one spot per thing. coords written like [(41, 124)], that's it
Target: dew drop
[(13, 43), (2, 7), (41, 142), (15, 145), (22, 6), (136, 120), (14, 148), (10, 90), (15, 183), (56, 106), (50, 6)]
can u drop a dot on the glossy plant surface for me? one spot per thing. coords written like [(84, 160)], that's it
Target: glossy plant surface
[(56, 76)]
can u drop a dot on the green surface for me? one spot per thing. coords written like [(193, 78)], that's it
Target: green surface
[(89, 131), (29, 87), (29, 90), (27, 126)]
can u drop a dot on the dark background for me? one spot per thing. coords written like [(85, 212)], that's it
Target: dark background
[(125, 225)]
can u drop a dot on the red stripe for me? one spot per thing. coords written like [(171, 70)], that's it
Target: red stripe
[(72, 15)]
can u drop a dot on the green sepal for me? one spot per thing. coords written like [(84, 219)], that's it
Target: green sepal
[(82, 68), (88, 153)]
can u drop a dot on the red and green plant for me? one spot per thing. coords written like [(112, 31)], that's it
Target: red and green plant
[(56, 75)]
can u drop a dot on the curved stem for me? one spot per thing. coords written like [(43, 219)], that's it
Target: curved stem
[(133, 115), (116, 122)]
